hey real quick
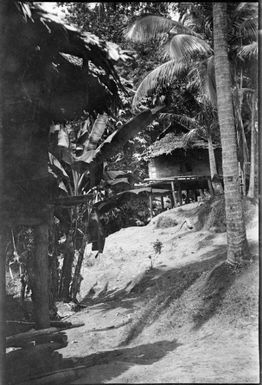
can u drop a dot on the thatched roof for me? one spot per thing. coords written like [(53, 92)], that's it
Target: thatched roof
[(50, 73), (65, 71), (172, 142)]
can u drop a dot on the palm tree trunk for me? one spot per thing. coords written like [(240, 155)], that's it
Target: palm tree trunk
[(237, 248), (251, 190), (212, 159)]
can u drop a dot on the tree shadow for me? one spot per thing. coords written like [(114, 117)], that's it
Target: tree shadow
[(157, 288), (156, 280), (168, 287), (100, 367), (111, 299), (15, 310), (213, 292), (121, 360), (206, 241)]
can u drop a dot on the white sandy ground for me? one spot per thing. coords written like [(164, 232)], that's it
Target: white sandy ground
[(168, 349)]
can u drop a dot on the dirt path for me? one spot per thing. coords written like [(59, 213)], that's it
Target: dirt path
[(148, 333)]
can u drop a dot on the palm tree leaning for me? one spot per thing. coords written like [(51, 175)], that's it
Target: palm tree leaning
[(237, 249)]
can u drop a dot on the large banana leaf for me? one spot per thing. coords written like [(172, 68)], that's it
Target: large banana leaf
[(98, 129), (56, 165), (114, 142), (63, 139)]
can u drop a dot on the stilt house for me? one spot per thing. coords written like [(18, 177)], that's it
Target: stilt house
[(181, 166)]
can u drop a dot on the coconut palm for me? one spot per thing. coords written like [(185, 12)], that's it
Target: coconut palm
[(186, 49), (242, 35), (237, 247), (181, 44), (237, 244)]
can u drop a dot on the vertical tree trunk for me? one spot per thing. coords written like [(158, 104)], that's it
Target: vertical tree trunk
[(251, 190), (241, 140), (53, 268), (237, 248), (53, 284), (40, 285), (66, 274), (212, 159), (77, 277), (3, 237)]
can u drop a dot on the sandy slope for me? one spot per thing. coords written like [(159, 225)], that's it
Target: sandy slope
[(163, 327)]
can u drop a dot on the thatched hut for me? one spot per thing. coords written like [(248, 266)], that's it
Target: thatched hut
[(50, 73), (180, 164), (171, 156)]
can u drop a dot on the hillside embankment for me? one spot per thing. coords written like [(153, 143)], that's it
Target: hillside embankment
[(179, 315), (161, 306)]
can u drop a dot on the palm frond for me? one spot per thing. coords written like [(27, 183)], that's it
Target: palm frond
[(202, 76), (184, 47), (248, 51), (246, 6), (162, 75), (211, 81), (150, 26), (247, 28)]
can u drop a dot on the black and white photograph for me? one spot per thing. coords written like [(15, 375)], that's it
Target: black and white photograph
[(130, 192)]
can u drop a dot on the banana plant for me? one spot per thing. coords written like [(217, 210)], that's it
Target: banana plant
[(77, 164), (72, 181)]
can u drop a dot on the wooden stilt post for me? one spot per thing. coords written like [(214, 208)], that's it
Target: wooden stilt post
[(195, 195), (179, 193), (151, 203), (187, 196), (162, 202), (211, 190), (173, 193)]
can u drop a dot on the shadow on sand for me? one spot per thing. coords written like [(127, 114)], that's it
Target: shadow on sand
[(94, 368)]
